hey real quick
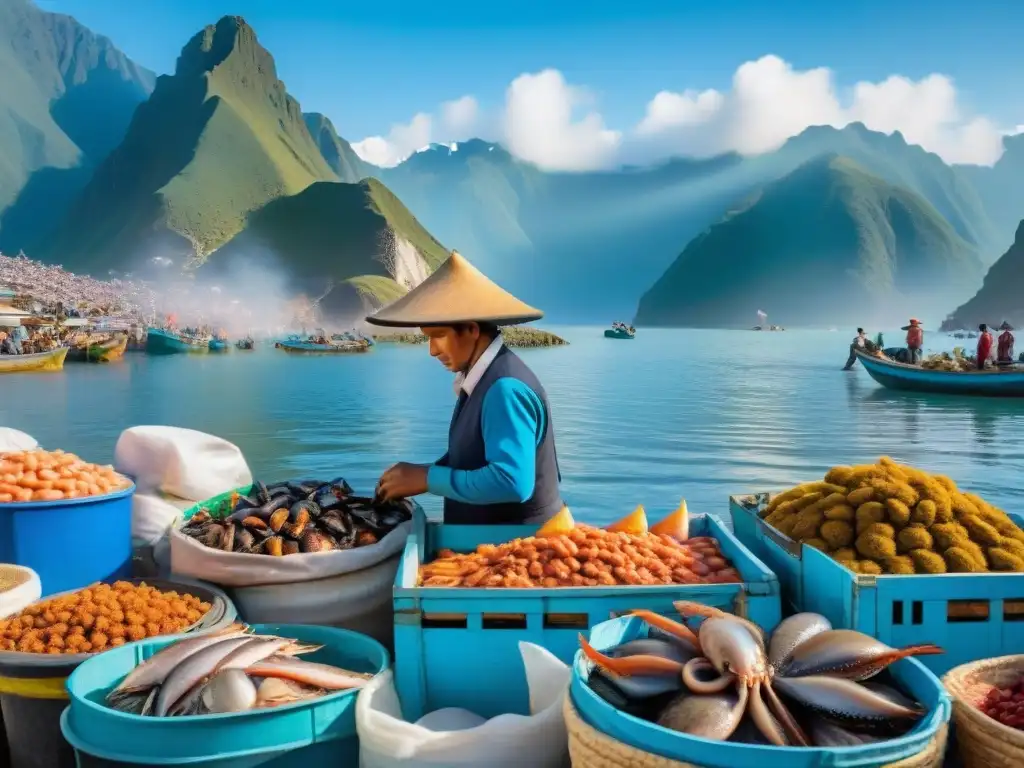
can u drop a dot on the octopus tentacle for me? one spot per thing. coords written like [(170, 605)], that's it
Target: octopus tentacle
[(763, 719), (699, 685), (626, 666), (781, 711), (673, 628)]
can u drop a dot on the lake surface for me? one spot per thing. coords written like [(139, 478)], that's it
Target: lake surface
[(672, 414)]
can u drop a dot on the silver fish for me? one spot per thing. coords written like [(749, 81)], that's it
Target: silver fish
[(792, 633), (848, 653), (257, 649), (711, 716), (309, 673), (827, 734), (194, 669), (843, 699), (230, 690)]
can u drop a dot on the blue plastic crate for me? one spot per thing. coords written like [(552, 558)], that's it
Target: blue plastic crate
[(72, 543), (458, 647), (652, 738), (971, 615)]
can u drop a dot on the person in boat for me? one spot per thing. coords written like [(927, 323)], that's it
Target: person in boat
[(984, 345), (859, 343), (501, 466), (915, 341), (1004, 353), (7, 344)]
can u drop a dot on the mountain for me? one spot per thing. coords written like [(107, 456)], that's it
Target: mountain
[(828, 243), (67, 96), (1000, 296), (338, 153), (1002, 187), (354, 244), (216, 140)]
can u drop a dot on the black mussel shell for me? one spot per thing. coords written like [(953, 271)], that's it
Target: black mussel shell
[(301, 488), (245, 502), (262, 494), (276, 503), (311, 508), (336, 523), (326, 498), (244, 539), (340, 484), (279, 489)]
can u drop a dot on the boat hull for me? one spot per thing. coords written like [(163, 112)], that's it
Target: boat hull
[(106, 352), (52, 360), (609, 334), (217, 345), (160, 342), (910, 378), (304, 347)]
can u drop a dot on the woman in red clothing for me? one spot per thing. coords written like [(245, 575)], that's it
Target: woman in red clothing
[(984, 345), (1004, 354)]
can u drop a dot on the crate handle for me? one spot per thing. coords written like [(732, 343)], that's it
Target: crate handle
[(1013, 610), (503, 621), (963, 611), (577, 621), (444, 621)]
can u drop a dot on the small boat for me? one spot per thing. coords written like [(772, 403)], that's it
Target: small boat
[(333, 348), (988, 383), (163, 342), (100, 352), (51, 360), (246, 344), (619, 333), (219, 345)]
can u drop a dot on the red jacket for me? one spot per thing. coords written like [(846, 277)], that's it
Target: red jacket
[(984, 346), (915, 337), (1005, 351)]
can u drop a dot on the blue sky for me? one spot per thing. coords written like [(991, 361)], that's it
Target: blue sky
[(368, 65)]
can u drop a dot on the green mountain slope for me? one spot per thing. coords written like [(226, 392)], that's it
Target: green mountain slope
[(829, 244), (1000, 297), (338, 153), (66, 98), (217, 140), (1002, 188), (357, 239)]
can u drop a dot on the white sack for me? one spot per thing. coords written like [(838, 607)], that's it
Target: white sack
[(180, 462), (235, 569), (18, 599), (506, 741), (12, 440), (153, 515)]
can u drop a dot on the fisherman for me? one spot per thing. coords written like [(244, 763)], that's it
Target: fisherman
[(984, 345), (1005, 352), (7, 345), (915, 341), (859, 343), (501, 466)]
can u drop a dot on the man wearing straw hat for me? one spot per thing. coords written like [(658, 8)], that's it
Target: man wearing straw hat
[(501, 466), (915, 340)]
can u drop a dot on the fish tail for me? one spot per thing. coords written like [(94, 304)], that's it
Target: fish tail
[(673, 628), (926, 649), (640, 665)]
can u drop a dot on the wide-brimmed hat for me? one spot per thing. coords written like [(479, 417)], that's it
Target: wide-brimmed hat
[(457, 292), (1005, 326), (914, 322)]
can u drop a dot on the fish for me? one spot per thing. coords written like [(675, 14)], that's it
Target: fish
[(827, 734), (709, 716), (309, 673), (274, 691), (192, 670), (154, 670), (230, 690), (791, 633), (849, 654), (653, 646), (844, 699)]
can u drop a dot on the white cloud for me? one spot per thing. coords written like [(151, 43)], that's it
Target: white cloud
[(555, 125)]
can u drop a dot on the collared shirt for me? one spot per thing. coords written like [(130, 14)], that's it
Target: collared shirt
[(513, 422)]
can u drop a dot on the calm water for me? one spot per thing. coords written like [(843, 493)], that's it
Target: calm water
[(694, 414)]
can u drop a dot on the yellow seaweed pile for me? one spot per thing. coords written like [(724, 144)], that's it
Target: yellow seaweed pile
[(944, 361), (888, 518)]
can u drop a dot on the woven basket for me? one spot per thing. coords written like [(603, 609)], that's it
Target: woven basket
[(589, 748), (982, 740)]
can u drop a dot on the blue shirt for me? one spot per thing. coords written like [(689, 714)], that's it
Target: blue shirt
[(513, 424)]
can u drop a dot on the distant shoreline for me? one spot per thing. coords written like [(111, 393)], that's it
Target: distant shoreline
[(514, 337)]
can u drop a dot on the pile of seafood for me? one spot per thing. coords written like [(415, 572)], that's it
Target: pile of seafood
[(566, 554), (40, 475), (1006, 704), (944, 361), (289, 518), (894, 519), (806, 685), (99, 617), (229, 671)]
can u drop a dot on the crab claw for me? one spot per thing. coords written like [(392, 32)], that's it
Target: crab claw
[(627, 666), (669, 627)]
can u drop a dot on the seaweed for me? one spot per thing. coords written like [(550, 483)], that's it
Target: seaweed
[(838, 533), (914, 537)]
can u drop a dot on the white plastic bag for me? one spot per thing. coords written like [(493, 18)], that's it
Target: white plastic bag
[(154, 514), (507, 741), (20, 597), (233, 569), (181, 462), (12, 440)]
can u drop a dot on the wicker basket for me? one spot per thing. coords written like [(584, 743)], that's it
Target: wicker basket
[(982, 740), (589, 748)]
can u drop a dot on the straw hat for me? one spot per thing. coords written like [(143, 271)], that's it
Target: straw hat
[(1005, 326), (457, 292), (914, 322)]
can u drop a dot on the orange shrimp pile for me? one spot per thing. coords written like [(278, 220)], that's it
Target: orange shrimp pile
[(565, 554), (99, 617), (54, 476)]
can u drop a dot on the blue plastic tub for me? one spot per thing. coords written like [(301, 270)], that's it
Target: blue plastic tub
[(70, 544), (649, 737), (317, 732), (971, 615), (449, 640)]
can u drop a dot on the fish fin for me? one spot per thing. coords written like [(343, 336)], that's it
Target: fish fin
[(298, 649), (640, 665), (668, 626), (150, 703)]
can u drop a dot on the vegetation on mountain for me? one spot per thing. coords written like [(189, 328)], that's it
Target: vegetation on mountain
[(338, 153), (999, 297), (829, 243)]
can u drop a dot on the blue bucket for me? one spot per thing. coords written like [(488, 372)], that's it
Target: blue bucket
[(644, 735), (71, 543), (317, 732)]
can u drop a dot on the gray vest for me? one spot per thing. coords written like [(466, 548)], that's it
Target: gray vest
[(466, 451)]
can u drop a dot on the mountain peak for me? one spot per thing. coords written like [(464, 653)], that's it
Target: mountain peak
[(213, 44)]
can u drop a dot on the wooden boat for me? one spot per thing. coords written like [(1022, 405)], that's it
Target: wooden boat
[(335, 348), (987, 383), (219, 345), (618, 333), (102, 352), (246, 345), (161, 342), (51, 360)]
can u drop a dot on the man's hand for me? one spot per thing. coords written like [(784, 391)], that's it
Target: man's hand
[(402, 481)]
